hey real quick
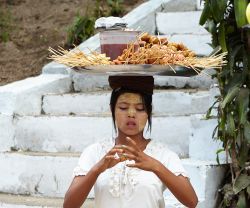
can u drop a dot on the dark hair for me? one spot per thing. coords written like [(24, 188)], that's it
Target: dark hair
[(146, 99)]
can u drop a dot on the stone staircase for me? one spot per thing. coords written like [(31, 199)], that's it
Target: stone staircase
[(46, 121)]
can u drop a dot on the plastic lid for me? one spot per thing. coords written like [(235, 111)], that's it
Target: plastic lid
[(110, 23)]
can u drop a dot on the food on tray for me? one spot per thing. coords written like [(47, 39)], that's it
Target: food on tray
[(148, 49), (77, 58), (154, 50)]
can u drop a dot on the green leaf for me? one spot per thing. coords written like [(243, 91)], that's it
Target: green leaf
[(241, 201), (243, 153), (217, 155), (236, 80), (240, 12), (214, 131), (222, 37), (233, 54), (210, 26), (248, 190), (208, 114), (247, 131), (218, 8), (241, 182), (230, 96), (230, 125), (206, 13), (242, 104)]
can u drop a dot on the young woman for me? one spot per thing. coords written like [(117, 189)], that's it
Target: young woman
[(131, 171)]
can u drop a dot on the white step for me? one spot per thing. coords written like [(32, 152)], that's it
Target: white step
[(183, 27), (32, 174), (25, 96), (179, 5), (206, 178), (7, 132), (74, 133), (202, 145), (165, 102), (50, 176), (179, 23), (25, 201), (85, 81)]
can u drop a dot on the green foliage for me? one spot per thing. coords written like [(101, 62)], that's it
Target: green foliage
[(224, 19), (82, 29), (5, 28), (116, 8), (83, 25), (240, 16)]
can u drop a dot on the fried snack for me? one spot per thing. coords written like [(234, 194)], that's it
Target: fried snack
[(154, 50)]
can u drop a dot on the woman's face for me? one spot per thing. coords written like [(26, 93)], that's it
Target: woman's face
[(130, 114)]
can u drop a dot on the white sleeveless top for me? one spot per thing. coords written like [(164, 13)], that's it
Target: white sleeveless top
[(124, 187)]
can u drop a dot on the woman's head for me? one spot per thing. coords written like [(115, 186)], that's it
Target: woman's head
[(131, 102), (132, 109)]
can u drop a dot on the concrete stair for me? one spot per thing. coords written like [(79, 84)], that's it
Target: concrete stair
[(21, 201), (190, 100), (179, 22), (46, 121), (184, 27)]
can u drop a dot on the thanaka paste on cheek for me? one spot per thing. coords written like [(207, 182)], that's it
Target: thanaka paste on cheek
[(141, 125)]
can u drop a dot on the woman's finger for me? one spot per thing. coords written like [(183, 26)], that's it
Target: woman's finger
[(130, 149), (111, 157), (130, 157), (115, 150), (133, 144), (135, 165)]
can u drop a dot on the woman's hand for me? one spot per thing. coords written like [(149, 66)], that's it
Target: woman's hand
[(110, 159), (178, 185), (142, 160)]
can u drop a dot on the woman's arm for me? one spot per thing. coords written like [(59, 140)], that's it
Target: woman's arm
[(81, 185), (178, 185), (80, 188)]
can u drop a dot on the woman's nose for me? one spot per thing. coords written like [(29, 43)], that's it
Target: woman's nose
[(131, 112)]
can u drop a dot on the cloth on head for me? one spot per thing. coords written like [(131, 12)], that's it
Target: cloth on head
[(138, 82)]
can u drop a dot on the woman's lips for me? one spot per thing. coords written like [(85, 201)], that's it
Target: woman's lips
[(131, 124)]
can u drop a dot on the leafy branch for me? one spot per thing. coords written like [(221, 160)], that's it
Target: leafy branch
[(224, 20)]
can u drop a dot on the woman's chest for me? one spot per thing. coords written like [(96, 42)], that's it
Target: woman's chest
[(122, 180)]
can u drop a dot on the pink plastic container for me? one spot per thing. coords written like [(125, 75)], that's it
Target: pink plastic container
[(113, 42)]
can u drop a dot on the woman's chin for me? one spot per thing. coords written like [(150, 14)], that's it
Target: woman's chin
[(131, 132)]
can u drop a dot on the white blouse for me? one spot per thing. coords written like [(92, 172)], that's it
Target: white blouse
[(124, 187)]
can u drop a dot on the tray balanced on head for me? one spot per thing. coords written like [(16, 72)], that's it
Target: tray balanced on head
[(154, 56), (164, 70)]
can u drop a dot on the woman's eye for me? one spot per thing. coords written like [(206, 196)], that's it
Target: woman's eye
[(123, 108), (140, 109)]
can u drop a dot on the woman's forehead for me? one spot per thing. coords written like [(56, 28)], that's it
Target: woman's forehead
[(130, 98)]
